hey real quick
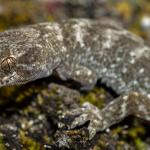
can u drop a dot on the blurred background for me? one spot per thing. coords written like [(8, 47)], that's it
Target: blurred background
[(133, 14)]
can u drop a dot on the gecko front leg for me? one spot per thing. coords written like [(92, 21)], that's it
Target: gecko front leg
[(131, 103), (78, 73)]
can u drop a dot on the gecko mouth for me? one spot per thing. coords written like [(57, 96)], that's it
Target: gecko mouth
[(16, 79), (15, 82), (20, 76)]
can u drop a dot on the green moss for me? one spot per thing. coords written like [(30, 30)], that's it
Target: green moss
[(29, 143), (48, 139), (2, 144), (96, 97), (139, 144), (136, 131)]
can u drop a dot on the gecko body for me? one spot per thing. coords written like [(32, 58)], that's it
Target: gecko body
[(82, 50)]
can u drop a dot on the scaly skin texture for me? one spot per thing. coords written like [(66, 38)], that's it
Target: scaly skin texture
[(85, 51)]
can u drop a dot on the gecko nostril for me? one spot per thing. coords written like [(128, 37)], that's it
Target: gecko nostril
[(8, 64)]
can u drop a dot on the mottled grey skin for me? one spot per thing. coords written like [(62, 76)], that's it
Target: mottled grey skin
[(85, 51)]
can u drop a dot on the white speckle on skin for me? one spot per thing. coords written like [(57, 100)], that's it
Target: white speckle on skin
[(135, 82), (79, 35), (67, 56), (124, 70), (108, 43), (38, 45), (140, 52), (118, 59), (141, 108), (132, 61), (64, 50), (90, 81), (77, 72), (135, 93), (89, 73), (49, 27), (52, 26), (132, 54), (125, 97), (60, 37), (123, 109), (112, 65), (107, 130), (141, 70), (45, 36), (104, 70)]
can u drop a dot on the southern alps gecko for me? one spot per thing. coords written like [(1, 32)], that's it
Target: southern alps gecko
[(82, 50)]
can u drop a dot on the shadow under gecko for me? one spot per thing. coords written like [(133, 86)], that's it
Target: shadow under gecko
[(82, 50)]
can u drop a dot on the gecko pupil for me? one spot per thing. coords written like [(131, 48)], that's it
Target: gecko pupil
[(8, 64)]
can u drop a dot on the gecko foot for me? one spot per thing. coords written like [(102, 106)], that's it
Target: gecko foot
[(87, 112), (132, 103)]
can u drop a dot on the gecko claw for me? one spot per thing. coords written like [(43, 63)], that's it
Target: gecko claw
[(78, 121), (90, 113), (92, 132)]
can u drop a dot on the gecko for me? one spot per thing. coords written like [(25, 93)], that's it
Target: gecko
[(84, 51)]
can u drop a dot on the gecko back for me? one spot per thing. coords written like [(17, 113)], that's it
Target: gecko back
[(104, 50)]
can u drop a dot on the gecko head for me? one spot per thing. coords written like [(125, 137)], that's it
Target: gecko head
[(19, 56)]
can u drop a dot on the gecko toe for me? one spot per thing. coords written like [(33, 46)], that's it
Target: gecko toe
[(89, 113), (78, 121), (92, 132)]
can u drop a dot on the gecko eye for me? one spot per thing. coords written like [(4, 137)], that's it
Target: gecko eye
[(8, 64)]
